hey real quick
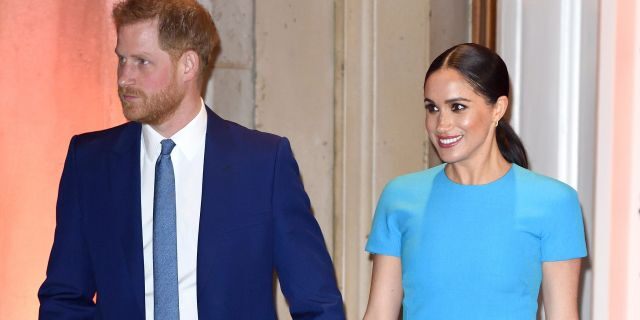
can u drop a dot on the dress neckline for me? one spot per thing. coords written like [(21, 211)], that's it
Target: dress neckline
[(488, 184)]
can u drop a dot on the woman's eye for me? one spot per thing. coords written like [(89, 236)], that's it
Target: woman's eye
[(431, 108), (458, 107)]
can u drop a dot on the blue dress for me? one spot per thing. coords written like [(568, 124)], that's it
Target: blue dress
[(475, 251)]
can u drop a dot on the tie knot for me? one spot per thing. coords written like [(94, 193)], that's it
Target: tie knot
[(167, 146)]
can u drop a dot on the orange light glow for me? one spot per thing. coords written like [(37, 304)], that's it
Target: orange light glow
[(57, 79), (621, 181)]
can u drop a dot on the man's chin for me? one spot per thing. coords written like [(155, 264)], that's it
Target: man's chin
[(151, 111), (142, 118), (132, 114)]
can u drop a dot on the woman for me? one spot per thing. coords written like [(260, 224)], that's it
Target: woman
[(475, 237)]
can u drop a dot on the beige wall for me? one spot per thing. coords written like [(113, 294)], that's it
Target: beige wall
[(343, 81), (450, 24), (358, 61), (230, 92), (294, 90), (382, 53), (294, 94)]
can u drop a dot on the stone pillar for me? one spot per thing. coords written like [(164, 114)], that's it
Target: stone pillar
[(230, 91), (294, 94)]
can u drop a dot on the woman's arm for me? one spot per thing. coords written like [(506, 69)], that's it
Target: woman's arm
[(385, 296), (560, 281)]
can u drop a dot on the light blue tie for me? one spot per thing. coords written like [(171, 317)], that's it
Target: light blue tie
[(165, 258)]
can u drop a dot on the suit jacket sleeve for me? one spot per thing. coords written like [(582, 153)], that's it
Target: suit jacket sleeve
[(302, 262), (68, 291)]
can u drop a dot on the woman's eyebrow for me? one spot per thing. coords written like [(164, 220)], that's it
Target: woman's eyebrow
[(448, 101)]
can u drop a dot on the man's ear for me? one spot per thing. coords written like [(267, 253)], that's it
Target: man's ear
[(190, 64), (500, 108)]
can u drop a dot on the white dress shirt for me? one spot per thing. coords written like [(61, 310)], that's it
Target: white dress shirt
[(188, 161)]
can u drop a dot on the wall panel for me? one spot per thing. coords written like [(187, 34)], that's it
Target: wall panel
[(382, 52), (294, 94)]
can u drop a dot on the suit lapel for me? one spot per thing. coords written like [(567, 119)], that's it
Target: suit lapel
[(216, 174), (124, 177)]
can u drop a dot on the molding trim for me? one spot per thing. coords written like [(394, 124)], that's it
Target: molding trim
[(378, 131), (569, 92), (633, 288), (604, 149), (354, 148), (483, 22), (509, 46)]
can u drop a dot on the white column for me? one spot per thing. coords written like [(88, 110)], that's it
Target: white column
[(550, 50), (354, 149)]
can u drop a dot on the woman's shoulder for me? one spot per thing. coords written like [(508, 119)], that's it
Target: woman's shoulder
[(536, 184), (417, 179), (412, 184)]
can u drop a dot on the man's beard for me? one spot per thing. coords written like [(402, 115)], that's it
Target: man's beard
[(154, 109)]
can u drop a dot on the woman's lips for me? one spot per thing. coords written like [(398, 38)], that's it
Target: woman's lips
[(448, 141)]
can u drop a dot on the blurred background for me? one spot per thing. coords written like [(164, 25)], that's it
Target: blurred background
[(343, 80)]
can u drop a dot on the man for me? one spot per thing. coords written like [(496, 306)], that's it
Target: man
[(179, 214)]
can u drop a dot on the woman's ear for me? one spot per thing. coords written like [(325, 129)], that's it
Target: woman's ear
[(500, 108)]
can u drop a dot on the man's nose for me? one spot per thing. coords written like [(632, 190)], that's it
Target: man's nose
[(126, 75)]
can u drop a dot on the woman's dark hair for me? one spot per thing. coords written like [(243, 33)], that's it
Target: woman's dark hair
[(487, 74)]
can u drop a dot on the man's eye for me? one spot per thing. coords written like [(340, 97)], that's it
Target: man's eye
[(431, 108), (458, 107), (122, 60), (143, 61)]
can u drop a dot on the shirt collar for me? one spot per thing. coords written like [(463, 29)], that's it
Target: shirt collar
[(188, 140)]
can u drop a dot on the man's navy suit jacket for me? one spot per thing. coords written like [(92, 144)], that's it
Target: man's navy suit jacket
[(255, 219)]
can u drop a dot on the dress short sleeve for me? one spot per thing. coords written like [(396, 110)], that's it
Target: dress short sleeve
[(563, 230), (385, 237)]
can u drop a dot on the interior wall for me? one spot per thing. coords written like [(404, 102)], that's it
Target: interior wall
[(294, 62), (299, 66), (230, 91), (382, 51), (450, 24)]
